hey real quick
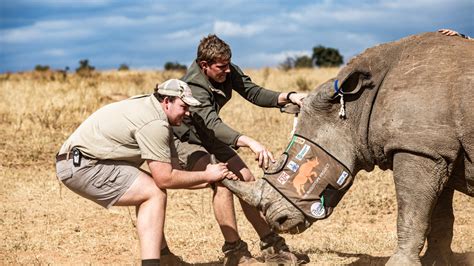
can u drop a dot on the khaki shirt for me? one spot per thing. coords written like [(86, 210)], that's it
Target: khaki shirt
[(132, 130)]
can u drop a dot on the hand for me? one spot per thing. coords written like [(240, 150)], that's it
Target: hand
[(297, 98), (262, 155), (230, 175), (217, 172), (449, 32)]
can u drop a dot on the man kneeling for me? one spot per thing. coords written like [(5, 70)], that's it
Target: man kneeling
[(100, 160)]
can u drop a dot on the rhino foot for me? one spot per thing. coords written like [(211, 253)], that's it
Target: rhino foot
[(437, 257), (402, 259)]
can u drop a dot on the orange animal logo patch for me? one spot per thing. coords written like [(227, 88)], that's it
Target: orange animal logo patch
[(305, 174)]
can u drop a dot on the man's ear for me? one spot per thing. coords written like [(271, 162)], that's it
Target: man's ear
[(166, 101), (203, 64)]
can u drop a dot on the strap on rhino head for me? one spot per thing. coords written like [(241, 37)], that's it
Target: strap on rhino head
[(310, 178)]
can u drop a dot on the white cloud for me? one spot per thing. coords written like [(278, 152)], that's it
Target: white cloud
[(423, 4), (55, 52), (117, 21), (45, 31), (180, 35), (69, 3), (226, 28), (270, 59), (74, 29)]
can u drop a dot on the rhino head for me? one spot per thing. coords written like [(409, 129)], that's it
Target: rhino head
[(279, 212)]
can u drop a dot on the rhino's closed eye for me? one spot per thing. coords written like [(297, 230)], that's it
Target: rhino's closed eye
[(282, 220)]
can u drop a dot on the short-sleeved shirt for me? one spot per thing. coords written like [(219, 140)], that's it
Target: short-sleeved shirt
[(132, 130)]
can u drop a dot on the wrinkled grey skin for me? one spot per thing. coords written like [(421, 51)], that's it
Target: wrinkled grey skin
[(411, 111), (278, 211)]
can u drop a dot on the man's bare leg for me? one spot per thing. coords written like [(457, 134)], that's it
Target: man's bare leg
[(150, 202), (223, 202), (223, 205)]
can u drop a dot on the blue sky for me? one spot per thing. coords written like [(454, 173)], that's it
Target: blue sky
[(146, 34)]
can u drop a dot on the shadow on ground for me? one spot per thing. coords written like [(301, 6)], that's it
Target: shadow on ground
[(462, 259), (365, 259)]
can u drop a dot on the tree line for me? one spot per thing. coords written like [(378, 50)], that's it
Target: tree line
[(321, 57)]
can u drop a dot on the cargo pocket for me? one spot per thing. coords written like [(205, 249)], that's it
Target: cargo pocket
[(106, 176), (63, 171)]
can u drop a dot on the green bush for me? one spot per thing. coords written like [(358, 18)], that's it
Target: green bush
[(288, 64), (303, 62), (41, 68), (175, 66), (327, 57), (123, 67), (84, 69)]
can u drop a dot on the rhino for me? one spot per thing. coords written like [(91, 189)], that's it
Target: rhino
[(407, 106)]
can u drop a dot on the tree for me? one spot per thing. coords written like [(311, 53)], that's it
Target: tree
[(123, 67), (303, 62), (84, 67), (175, 66), (296, 62), (326, 56), (288, 64), (41, 68)]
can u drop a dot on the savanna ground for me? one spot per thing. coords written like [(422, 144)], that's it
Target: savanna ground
[(42, 222)]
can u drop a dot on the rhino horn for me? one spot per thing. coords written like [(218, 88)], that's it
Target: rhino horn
[(247, 191)]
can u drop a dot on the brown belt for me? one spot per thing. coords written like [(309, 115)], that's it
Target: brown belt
[(64, 156), (68, 155)]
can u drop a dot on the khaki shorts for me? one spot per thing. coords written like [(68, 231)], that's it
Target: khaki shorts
[(103, 182), (189, 153)]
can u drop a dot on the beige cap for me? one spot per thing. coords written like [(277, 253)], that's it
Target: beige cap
[(179, 88)]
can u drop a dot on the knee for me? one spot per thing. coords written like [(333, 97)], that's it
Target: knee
[(236, 165), (157, 195), (222, 193), (247, 176)]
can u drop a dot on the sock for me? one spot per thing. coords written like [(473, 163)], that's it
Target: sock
[(151, 262), (165, 251), (267, 237), (232, 244)]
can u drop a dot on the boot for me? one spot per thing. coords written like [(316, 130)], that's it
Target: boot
[(276, 252), (238, 254), (168, 258)]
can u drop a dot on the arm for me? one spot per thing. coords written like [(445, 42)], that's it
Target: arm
[(206, 118), (262, 154), (259, 95), (250, 91), (449, 32), (166, 177), (291, 97), (154, 140)]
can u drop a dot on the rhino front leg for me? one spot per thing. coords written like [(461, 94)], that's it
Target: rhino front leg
[(441, 234), (418, 182)]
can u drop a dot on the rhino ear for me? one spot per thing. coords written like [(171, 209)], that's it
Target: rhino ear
[(351, 83), (344, 83)]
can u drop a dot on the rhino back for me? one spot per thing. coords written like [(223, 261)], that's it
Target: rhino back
[(425, 103)]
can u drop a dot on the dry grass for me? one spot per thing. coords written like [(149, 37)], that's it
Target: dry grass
[(44, 223)]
